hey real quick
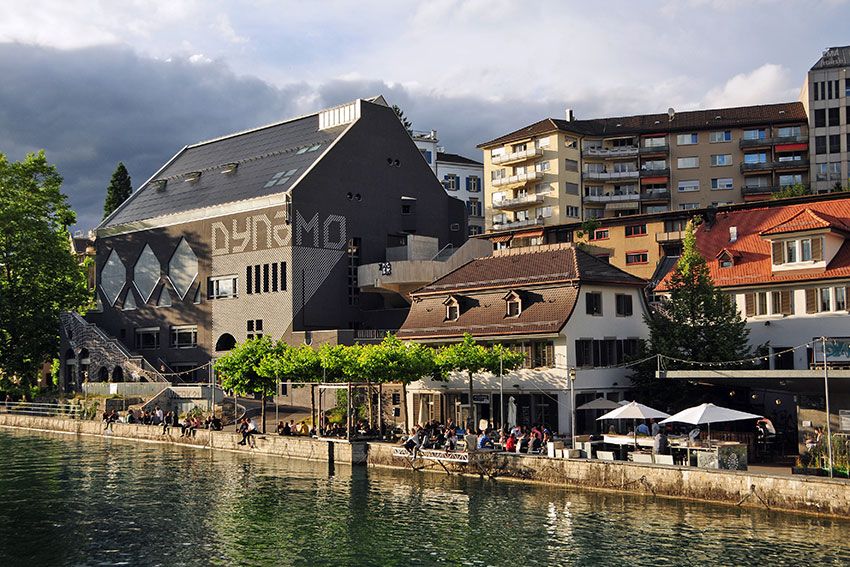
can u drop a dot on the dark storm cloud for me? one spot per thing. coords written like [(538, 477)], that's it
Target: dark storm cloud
[(91, 108)]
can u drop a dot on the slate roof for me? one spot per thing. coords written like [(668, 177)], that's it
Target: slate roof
[(260, 154), (781, 113), (547, 280), (834, 57), (455, 158), (753, 264)]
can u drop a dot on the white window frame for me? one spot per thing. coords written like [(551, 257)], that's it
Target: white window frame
[(722, 184), (215, 286), (717, 162), (682, 162), (720, 136), (689, 139), (178, 331), (688, 185)]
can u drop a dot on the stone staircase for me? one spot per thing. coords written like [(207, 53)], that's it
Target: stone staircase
[(106, 351)]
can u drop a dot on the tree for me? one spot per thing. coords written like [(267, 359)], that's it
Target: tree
[(240, 370), (471, 357), (404, 121), (119, 190), (796, 190), (301, 364), (697, 322), (38, 275)]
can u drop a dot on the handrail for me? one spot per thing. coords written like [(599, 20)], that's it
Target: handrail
[(46, 409), (448, 246)]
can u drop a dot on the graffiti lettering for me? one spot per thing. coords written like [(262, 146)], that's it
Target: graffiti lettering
[(260, 232)]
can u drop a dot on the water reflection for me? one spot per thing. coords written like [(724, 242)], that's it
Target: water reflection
[(71, 501)]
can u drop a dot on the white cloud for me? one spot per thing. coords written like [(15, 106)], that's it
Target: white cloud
[(768, 83), (225, 28)]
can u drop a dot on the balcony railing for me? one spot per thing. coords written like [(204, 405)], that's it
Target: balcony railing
[(651, 150), (517, 224), (612, 175), (519, 202), (612, 198), (760, 166), (670, 236), (660, 172), (624, 151), (519, 179), (655, 195), (763, 142), (761, 190), (754, 142), (792, 164), (517, 156)]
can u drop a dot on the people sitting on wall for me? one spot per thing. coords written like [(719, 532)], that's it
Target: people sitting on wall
[(484, 441), (185, 427), (283, 428), (131, 417), (291, 425), (166, 422), (511, 444)]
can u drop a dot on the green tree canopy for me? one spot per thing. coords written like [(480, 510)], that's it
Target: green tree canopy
[(393, 360), (404, 121), (291, 364), (119, 190), (39, 277), (696, 322), (240, 370), (341, 363)]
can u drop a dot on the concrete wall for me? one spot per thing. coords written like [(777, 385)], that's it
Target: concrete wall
[(792, 493), (280, 446), (127, 389)]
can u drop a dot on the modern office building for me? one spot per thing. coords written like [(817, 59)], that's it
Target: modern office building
[(826, 96), (563, 170), (256, 233), (462, 177)]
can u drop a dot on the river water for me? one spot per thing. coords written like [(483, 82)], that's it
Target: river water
[(93, 501)]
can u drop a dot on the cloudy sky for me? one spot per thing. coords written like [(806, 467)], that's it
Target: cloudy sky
[(99, 82)]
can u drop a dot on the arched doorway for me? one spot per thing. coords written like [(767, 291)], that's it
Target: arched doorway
[(118, 374), (103, 374), (225, 342)]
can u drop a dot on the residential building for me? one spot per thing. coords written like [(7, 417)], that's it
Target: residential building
[(462, 177), (826, 95), (558, 305), (562, 170), (258, 233)]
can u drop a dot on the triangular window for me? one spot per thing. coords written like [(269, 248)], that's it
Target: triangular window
[(130, 301), (164, 298)]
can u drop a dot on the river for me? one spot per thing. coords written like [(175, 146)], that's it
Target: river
[(97, 501)]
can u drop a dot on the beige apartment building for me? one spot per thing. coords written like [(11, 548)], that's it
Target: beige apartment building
[(826, 96), (560, 171)]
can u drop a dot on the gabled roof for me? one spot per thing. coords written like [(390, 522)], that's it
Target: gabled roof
[(260, 154), (753, 263), (547, 279), (456, 158), (804, 220), (508, 269), (763, 114)]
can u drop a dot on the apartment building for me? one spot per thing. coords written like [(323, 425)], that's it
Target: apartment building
[(557, 171), (826, 96), (462, 177)]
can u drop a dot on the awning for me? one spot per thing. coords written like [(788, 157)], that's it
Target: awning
[(653, 180), (502, 238), (529, 233), (791, 147)]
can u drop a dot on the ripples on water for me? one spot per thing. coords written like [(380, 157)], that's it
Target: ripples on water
[(90, 501)]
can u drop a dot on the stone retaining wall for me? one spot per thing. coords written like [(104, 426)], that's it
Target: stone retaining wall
[(790, 493), (338, 451)]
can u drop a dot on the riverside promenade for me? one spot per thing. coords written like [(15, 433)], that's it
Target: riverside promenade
[(802, 494)]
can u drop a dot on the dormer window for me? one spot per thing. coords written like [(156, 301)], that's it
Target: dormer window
[(797, 250), (193, 177), (452, 308), (513, 304), (727, 258)]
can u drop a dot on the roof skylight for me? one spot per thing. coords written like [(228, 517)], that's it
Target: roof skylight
[(280, 178)]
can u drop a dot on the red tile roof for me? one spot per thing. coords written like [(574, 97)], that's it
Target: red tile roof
[(753, 264)]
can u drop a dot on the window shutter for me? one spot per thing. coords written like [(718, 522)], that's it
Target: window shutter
[(467, 183), (777, 253), (785, 302), (817, 249), (750, 304), (811, 301)]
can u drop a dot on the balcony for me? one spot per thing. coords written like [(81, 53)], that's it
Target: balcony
[(671, 236), (610, 175), (800, 139), (517, 224), (660, 172), (656, 195), (792, 164), (517, 180), (654, 150), (612, 198), (753, 167), (755, 143), (515, 157), (519, 202), (762, 190), (621, 152)]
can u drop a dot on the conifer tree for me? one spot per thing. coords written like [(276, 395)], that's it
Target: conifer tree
[(119, 190)]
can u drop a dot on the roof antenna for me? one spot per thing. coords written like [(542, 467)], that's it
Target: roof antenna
[(671, 114)]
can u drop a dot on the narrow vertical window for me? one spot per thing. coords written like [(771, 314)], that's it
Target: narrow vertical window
[(274, 276), (249, 288), (257, 278)]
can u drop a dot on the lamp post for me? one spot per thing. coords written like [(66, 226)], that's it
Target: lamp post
[(826, 397), (572, 378), (501, 394)]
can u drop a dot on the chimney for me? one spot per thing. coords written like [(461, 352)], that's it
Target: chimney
[(671, 114), (569, 115), (733, 234)]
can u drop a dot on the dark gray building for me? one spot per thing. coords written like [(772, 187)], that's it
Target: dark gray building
[(257, 233)]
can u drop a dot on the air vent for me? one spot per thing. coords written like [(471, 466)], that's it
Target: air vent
[(159, 184), (193, 177), (229, 168)]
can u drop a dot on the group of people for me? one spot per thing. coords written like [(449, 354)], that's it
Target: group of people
[(247, 428), (291, 428), (164, 419), (517, 439)]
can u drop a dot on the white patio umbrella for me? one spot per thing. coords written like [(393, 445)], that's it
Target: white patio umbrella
[(634, 411), (708, 414), (599, 404)]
